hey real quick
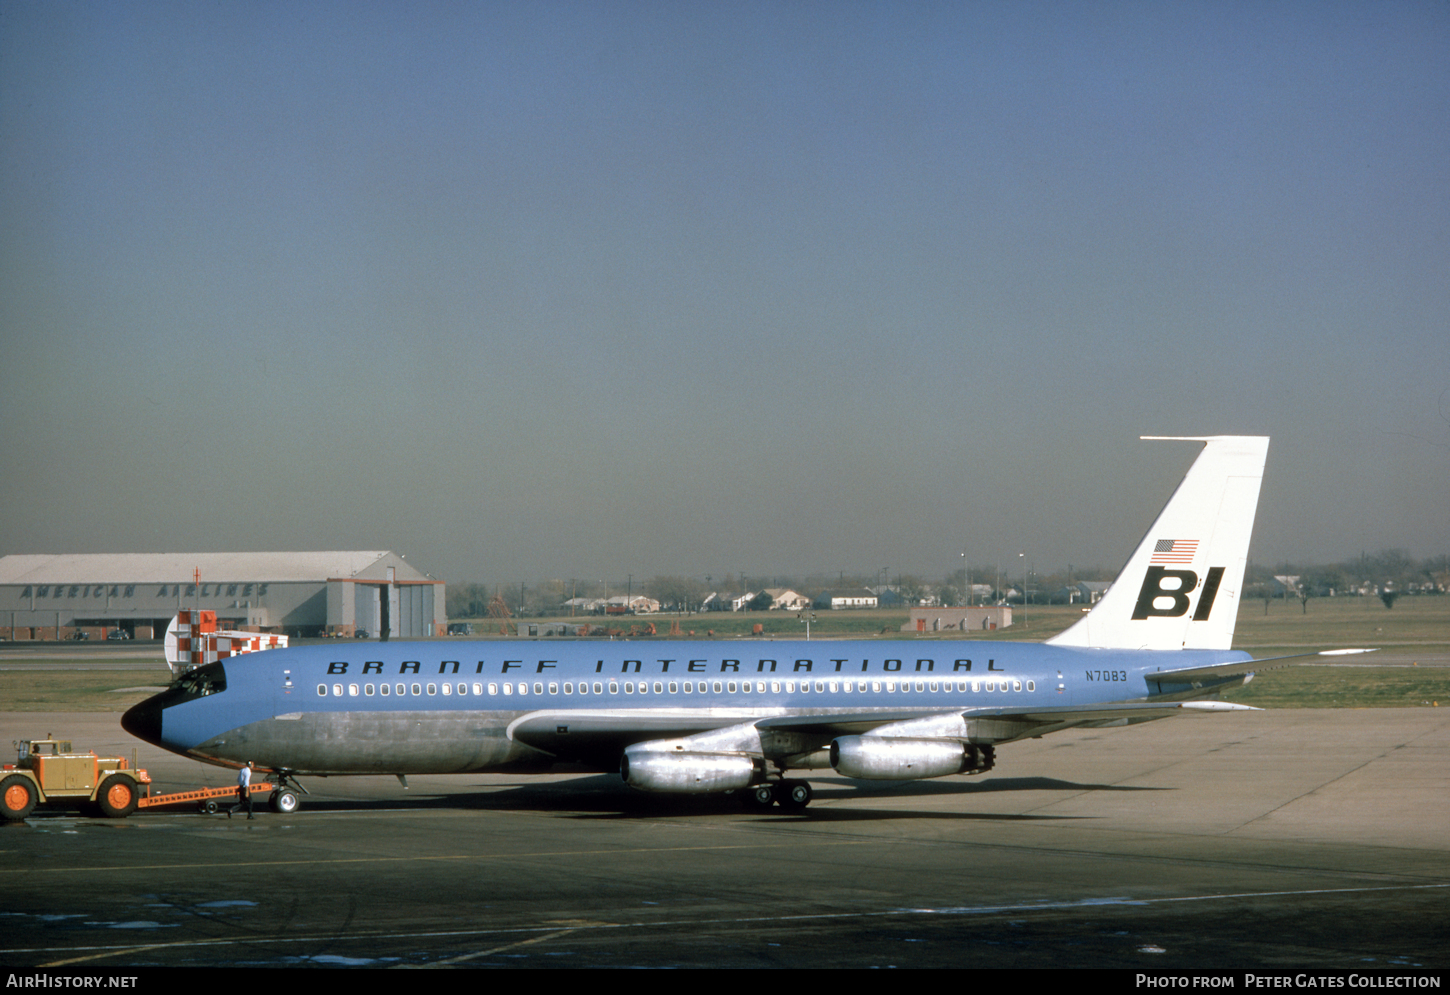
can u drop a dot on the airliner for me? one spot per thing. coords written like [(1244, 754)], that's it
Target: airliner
[(694, 717)]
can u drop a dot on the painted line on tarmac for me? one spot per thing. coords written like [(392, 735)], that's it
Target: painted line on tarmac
[(103, 952), (498, 950), (543, 854)]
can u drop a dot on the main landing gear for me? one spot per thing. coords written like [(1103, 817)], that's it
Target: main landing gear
[(791, 796)]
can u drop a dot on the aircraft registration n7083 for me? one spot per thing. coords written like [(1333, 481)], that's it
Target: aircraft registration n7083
[(742, 716)]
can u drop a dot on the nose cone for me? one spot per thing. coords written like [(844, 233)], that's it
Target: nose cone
[(144, 720)]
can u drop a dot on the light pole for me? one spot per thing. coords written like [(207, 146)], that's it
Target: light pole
[(1023, 558)]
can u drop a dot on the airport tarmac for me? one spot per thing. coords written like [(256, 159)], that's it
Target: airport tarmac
[(1275, 839)]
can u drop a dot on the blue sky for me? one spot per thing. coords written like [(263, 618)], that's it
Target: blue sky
[(531, 290)]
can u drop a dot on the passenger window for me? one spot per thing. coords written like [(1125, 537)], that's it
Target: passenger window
[(790, 687), (417, 689), (598, 688), (553, 687), (1032, 685), (432, 689), (731, 686), (385, 689), (539, 688), (1016, 685), (614, 687), (492, 688), (568, 687), (523, 687), (448, 689), (337, 690), (876, 686), (745, 686), (775, 687), (674, 687), (368, 690), (629, 687), (834, 687), (689, 687), (322, 690), (508, 688), (890, 687), (659, 688), (717, 687)]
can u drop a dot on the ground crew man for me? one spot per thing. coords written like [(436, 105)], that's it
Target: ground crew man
[(244, 790)]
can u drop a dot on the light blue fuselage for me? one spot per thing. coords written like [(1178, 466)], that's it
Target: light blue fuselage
[(453, 707)]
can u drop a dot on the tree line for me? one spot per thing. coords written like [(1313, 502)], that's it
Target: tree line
[(1388, 574)]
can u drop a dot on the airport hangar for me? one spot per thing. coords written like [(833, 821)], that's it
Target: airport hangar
[(50, 596)]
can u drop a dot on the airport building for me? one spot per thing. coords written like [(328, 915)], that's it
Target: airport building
[(983, 619), (47, 596)]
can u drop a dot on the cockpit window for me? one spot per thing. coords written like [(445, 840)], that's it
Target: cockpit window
[(204, 680)]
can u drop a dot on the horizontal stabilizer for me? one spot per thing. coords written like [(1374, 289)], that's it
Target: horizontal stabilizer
[(1188, 675)]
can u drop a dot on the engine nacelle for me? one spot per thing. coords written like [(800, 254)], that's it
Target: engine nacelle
[(888, 758), (686, 773)]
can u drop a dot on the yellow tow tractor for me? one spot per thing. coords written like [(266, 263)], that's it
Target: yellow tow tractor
[(49, 772)]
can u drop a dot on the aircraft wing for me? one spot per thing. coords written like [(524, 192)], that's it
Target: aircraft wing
[(993, 724), (598, 737)]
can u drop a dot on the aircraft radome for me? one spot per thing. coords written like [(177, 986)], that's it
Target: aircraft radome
[(742, 715)]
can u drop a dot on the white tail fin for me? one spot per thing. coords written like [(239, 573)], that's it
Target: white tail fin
[(1181, 589)]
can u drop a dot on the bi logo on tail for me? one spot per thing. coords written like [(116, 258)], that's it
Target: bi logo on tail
[(1185, 583)]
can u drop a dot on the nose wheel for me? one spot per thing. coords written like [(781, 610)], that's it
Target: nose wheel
[(286, 797)]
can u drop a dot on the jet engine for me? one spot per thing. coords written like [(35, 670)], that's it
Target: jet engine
[(888, 758), (686, 773)]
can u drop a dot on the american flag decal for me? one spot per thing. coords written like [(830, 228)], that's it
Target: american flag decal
[(1174, 551)]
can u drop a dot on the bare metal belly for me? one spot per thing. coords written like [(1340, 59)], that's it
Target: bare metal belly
[(377, 743)]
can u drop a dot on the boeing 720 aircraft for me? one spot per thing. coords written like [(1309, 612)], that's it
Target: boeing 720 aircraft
[(697, 717)]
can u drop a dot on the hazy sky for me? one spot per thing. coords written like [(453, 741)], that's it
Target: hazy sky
[(529, 290)]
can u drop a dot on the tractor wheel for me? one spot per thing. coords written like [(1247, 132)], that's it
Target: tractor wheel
[(17, 798), (117, 797)]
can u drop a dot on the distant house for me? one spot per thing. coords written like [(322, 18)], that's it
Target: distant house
[(853, 597), (1284, 586), (786, 599), (1084, 592), (723, 602), (624, 605)]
